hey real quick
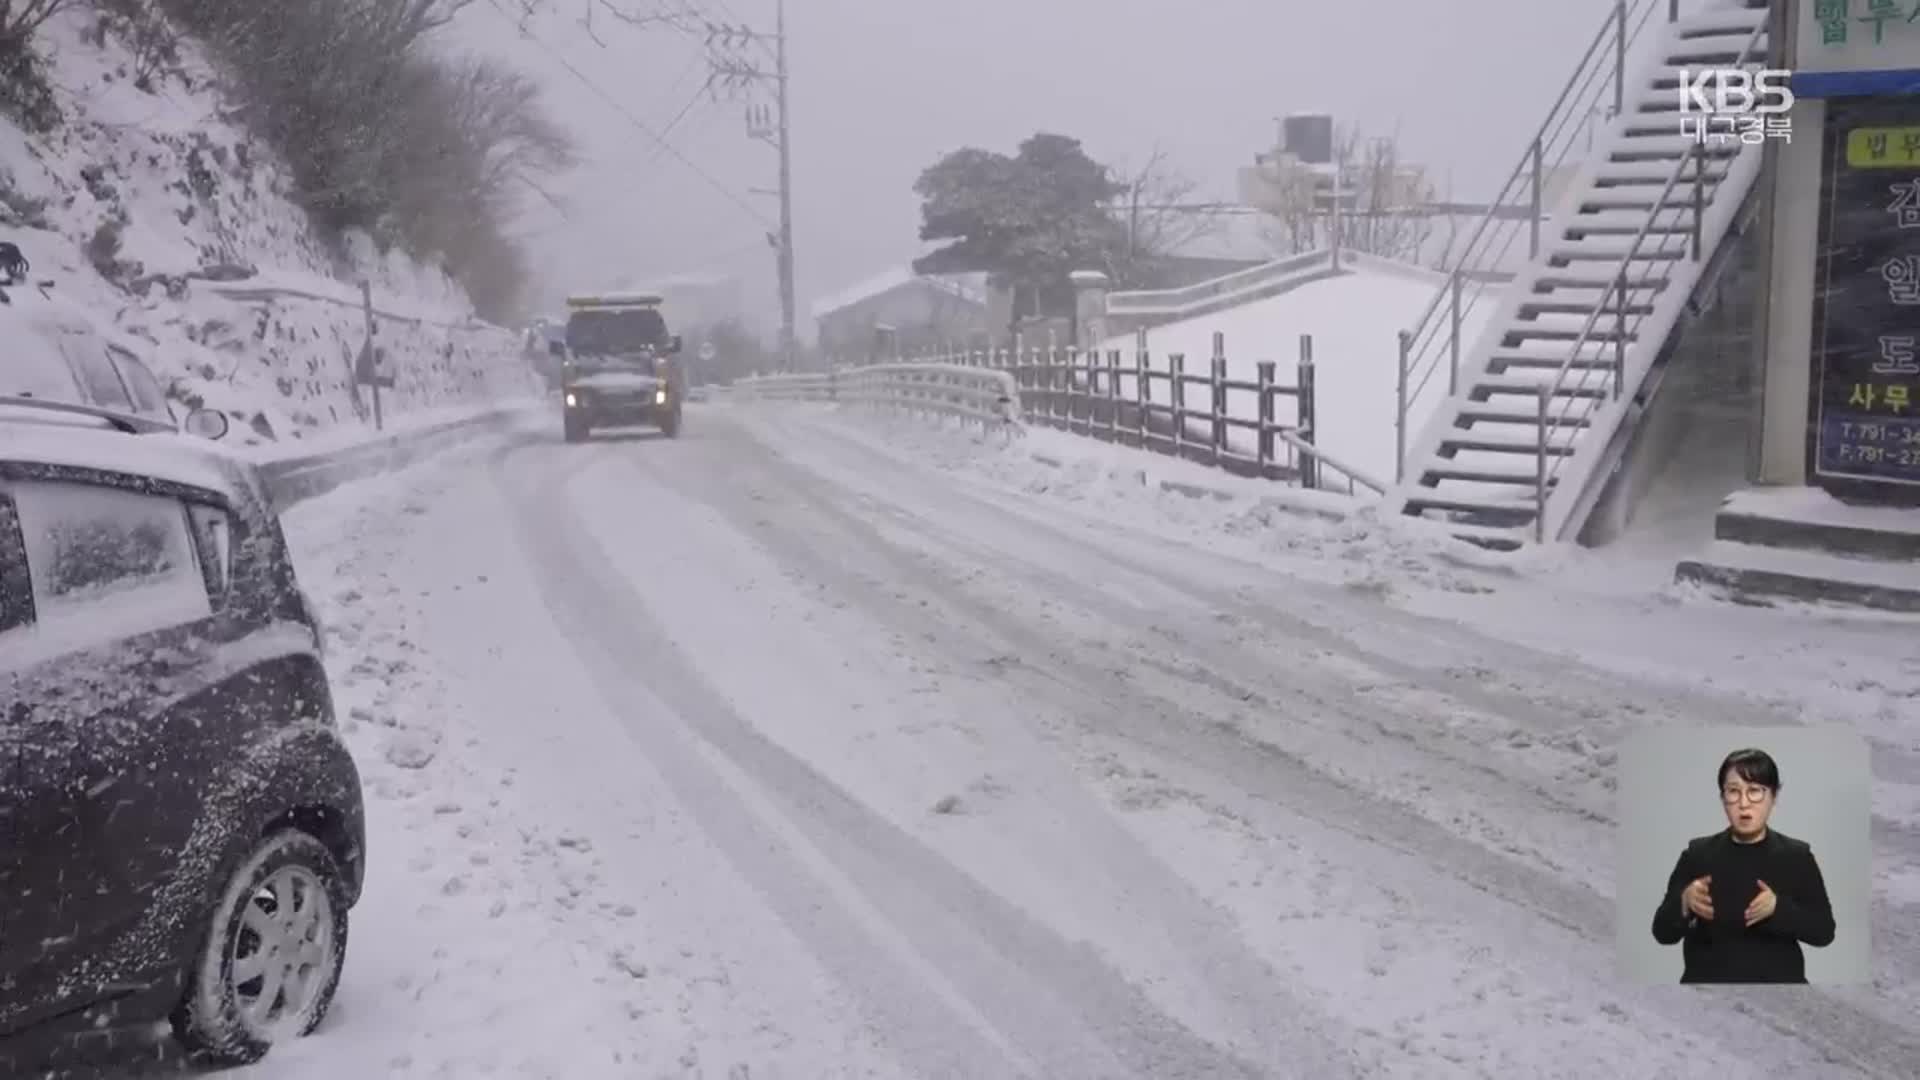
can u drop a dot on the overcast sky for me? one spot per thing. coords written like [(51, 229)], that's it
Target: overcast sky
[(882, 88)]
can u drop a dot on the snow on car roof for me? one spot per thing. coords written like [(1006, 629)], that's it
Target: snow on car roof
[(42, 438), (606, 300)]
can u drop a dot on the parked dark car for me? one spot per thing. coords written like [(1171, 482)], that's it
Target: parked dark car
[(181, 826)]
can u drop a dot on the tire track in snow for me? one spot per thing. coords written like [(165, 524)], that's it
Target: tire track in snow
[(1057, 1003), (1287, 1027), (1832, 1026), (1601, 708), (1176, 731), (1561, 696), (1233, 581), (1606, 707)]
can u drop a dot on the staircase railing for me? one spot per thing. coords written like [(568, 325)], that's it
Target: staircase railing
[(1658, 271), (1597, 88)]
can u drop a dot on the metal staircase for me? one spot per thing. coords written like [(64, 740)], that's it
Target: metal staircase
[(1540, 405)]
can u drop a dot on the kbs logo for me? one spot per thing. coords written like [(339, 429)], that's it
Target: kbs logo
[(1729, 103)]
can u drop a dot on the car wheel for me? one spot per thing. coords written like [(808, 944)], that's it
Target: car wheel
[(576, 428), (272, 957)]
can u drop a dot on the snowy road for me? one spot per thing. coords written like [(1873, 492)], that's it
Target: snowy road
[(760, 754)]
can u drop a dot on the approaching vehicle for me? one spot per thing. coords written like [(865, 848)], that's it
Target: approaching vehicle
[(542, 335), (54, 353), (618, 366), (184, 831)]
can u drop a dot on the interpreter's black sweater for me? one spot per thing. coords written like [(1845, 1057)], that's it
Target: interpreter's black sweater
[(1727, 950)]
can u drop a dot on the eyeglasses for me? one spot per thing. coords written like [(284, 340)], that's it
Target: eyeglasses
[(1752, 795)]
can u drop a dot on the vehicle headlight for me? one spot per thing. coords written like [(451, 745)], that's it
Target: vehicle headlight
[(659, 397), (572, 399)]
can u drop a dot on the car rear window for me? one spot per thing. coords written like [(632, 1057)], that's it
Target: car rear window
[(106, 564)]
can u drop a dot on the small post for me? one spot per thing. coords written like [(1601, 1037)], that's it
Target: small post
[(1308, 425), (1699, 154), (1453, 365), (1620, 335), (1333, 219), (1400, 410), (1540, 473), (1539, 168), (373, 356), (1263, 443), (1062, 382), (1620, 54), (1020, 376), (1113, 395), (1072, 395), (1177, 374), (1217, 394), (1142, 390), (1055, 404)]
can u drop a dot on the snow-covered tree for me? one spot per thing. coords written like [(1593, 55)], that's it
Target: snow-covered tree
[(1029, 220)]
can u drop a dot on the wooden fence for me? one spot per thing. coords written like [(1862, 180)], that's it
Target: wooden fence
[(1129, 401)]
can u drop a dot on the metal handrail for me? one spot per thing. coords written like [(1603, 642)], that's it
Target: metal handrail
[(1622, 290), (1437, 331)]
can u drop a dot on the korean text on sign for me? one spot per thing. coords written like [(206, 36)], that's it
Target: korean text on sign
[(1883, 148), (1712, 128), (1837, 18)]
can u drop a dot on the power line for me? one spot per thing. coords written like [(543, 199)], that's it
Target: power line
[(638, 124), (698, 93)]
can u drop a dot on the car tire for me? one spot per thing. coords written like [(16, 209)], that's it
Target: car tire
[(670, 424), (284, 913), (576, 428)]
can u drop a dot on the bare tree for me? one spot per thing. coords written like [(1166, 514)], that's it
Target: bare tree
[(1159, 216), (20, 18)]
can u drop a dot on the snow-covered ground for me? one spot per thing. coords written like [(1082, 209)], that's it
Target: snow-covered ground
[(807, 745), (1353, 320)]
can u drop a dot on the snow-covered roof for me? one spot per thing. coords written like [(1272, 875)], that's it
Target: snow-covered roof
[(682, 281), (969, 287), (44, 438), (613, 299)]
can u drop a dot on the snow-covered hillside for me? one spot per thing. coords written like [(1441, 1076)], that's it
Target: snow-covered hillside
[(158, 214)]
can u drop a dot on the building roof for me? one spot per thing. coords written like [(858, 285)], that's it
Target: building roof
[(968, 287), (683, 281)]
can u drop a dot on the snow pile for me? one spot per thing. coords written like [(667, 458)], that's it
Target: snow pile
[(174, 229), (1353, 320), (1788, 660), (1324, 535)]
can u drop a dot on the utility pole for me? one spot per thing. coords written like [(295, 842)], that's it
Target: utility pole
[(733, 73)]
